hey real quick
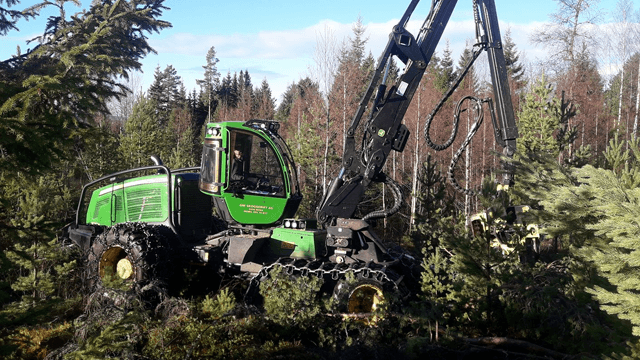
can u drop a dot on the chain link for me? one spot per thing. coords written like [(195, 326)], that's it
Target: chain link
[(308, 268)]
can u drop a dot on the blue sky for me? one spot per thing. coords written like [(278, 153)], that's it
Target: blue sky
[(275, 39)]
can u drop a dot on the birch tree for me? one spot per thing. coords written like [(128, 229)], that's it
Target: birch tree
[(568, 30), (325, 57), (623, 45)]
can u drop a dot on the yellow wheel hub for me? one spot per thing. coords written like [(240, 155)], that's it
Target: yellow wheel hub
[(114, 262), (365, 298), (124, 269)]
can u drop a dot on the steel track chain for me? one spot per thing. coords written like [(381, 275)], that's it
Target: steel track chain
[(333, 271)]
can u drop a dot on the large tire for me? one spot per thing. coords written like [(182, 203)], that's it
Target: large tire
[(360, 294), (130, 256)]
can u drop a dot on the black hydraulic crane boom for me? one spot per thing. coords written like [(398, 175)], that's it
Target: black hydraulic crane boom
[(384, 131)]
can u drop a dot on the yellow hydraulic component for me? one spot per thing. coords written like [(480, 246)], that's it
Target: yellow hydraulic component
[(479, 225)]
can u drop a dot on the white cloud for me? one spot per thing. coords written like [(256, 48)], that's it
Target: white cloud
[(283, 57)]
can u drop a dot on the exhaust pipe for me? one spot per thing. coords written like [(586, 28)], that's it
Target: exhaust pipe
[(156, 160)]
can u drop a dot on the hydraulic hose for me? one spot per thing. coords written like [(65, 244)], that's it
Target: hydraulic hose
[(397, 202), (479, 115)]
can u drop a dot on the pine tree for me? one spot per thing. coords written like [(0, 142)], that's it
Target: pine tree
[(210, 83)]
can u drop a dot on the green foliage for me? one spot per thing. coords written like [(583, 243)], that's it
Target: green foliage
[(434, 219), (512, 61), (117, 339), (539, 120), (220, 305), (47, 93), (41, 268), (97, 153), (166, 93), (245, 339), (291, 301), (184, 152), (613, 201), (594, 211), (437, 285), (444, 74), (143, 136), (484, 267), (36, 342)]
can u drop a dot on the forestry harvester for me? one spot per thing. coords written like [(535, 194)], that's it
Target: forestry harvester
[(143, 228)]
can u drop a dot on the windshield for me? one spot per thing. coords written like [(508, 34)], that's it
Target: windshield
[(254, 165), (288, 158)]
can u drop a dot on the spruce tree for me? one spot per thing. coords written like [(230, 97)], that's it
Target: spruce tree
[(97, 154), (539, 120), (183, 150), (49, 96), (613, 197), (142, 136), (264, 101), (49, 92), (470, 81), (165, 92), (512, 61), (444, 70), (40, 206), (10, 17)]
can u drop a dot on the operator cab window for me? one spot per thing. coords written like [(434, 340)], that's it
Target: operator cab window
[(254, 166)]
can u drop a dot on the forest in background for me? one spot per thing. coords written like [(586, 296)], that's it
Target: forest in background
[(70, 113)]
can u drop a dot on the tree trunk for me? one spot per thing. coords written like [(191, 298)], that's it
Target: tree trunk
[(467, 175), (635, 120), (326, 155), (414, 177), (344, 112), (620, 97)]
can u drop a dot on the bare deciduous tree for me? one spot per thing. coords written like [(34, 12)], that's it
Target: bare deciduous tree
[(325, 57), (123, 108), (569, 29), (622, 44)]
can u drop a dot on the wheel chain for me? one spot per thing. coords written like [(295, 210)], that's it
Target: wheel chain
[(320, 269), (152, 244)]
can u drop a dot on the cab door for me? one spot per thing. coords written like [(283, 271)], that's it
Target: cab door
[(254, 188)]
